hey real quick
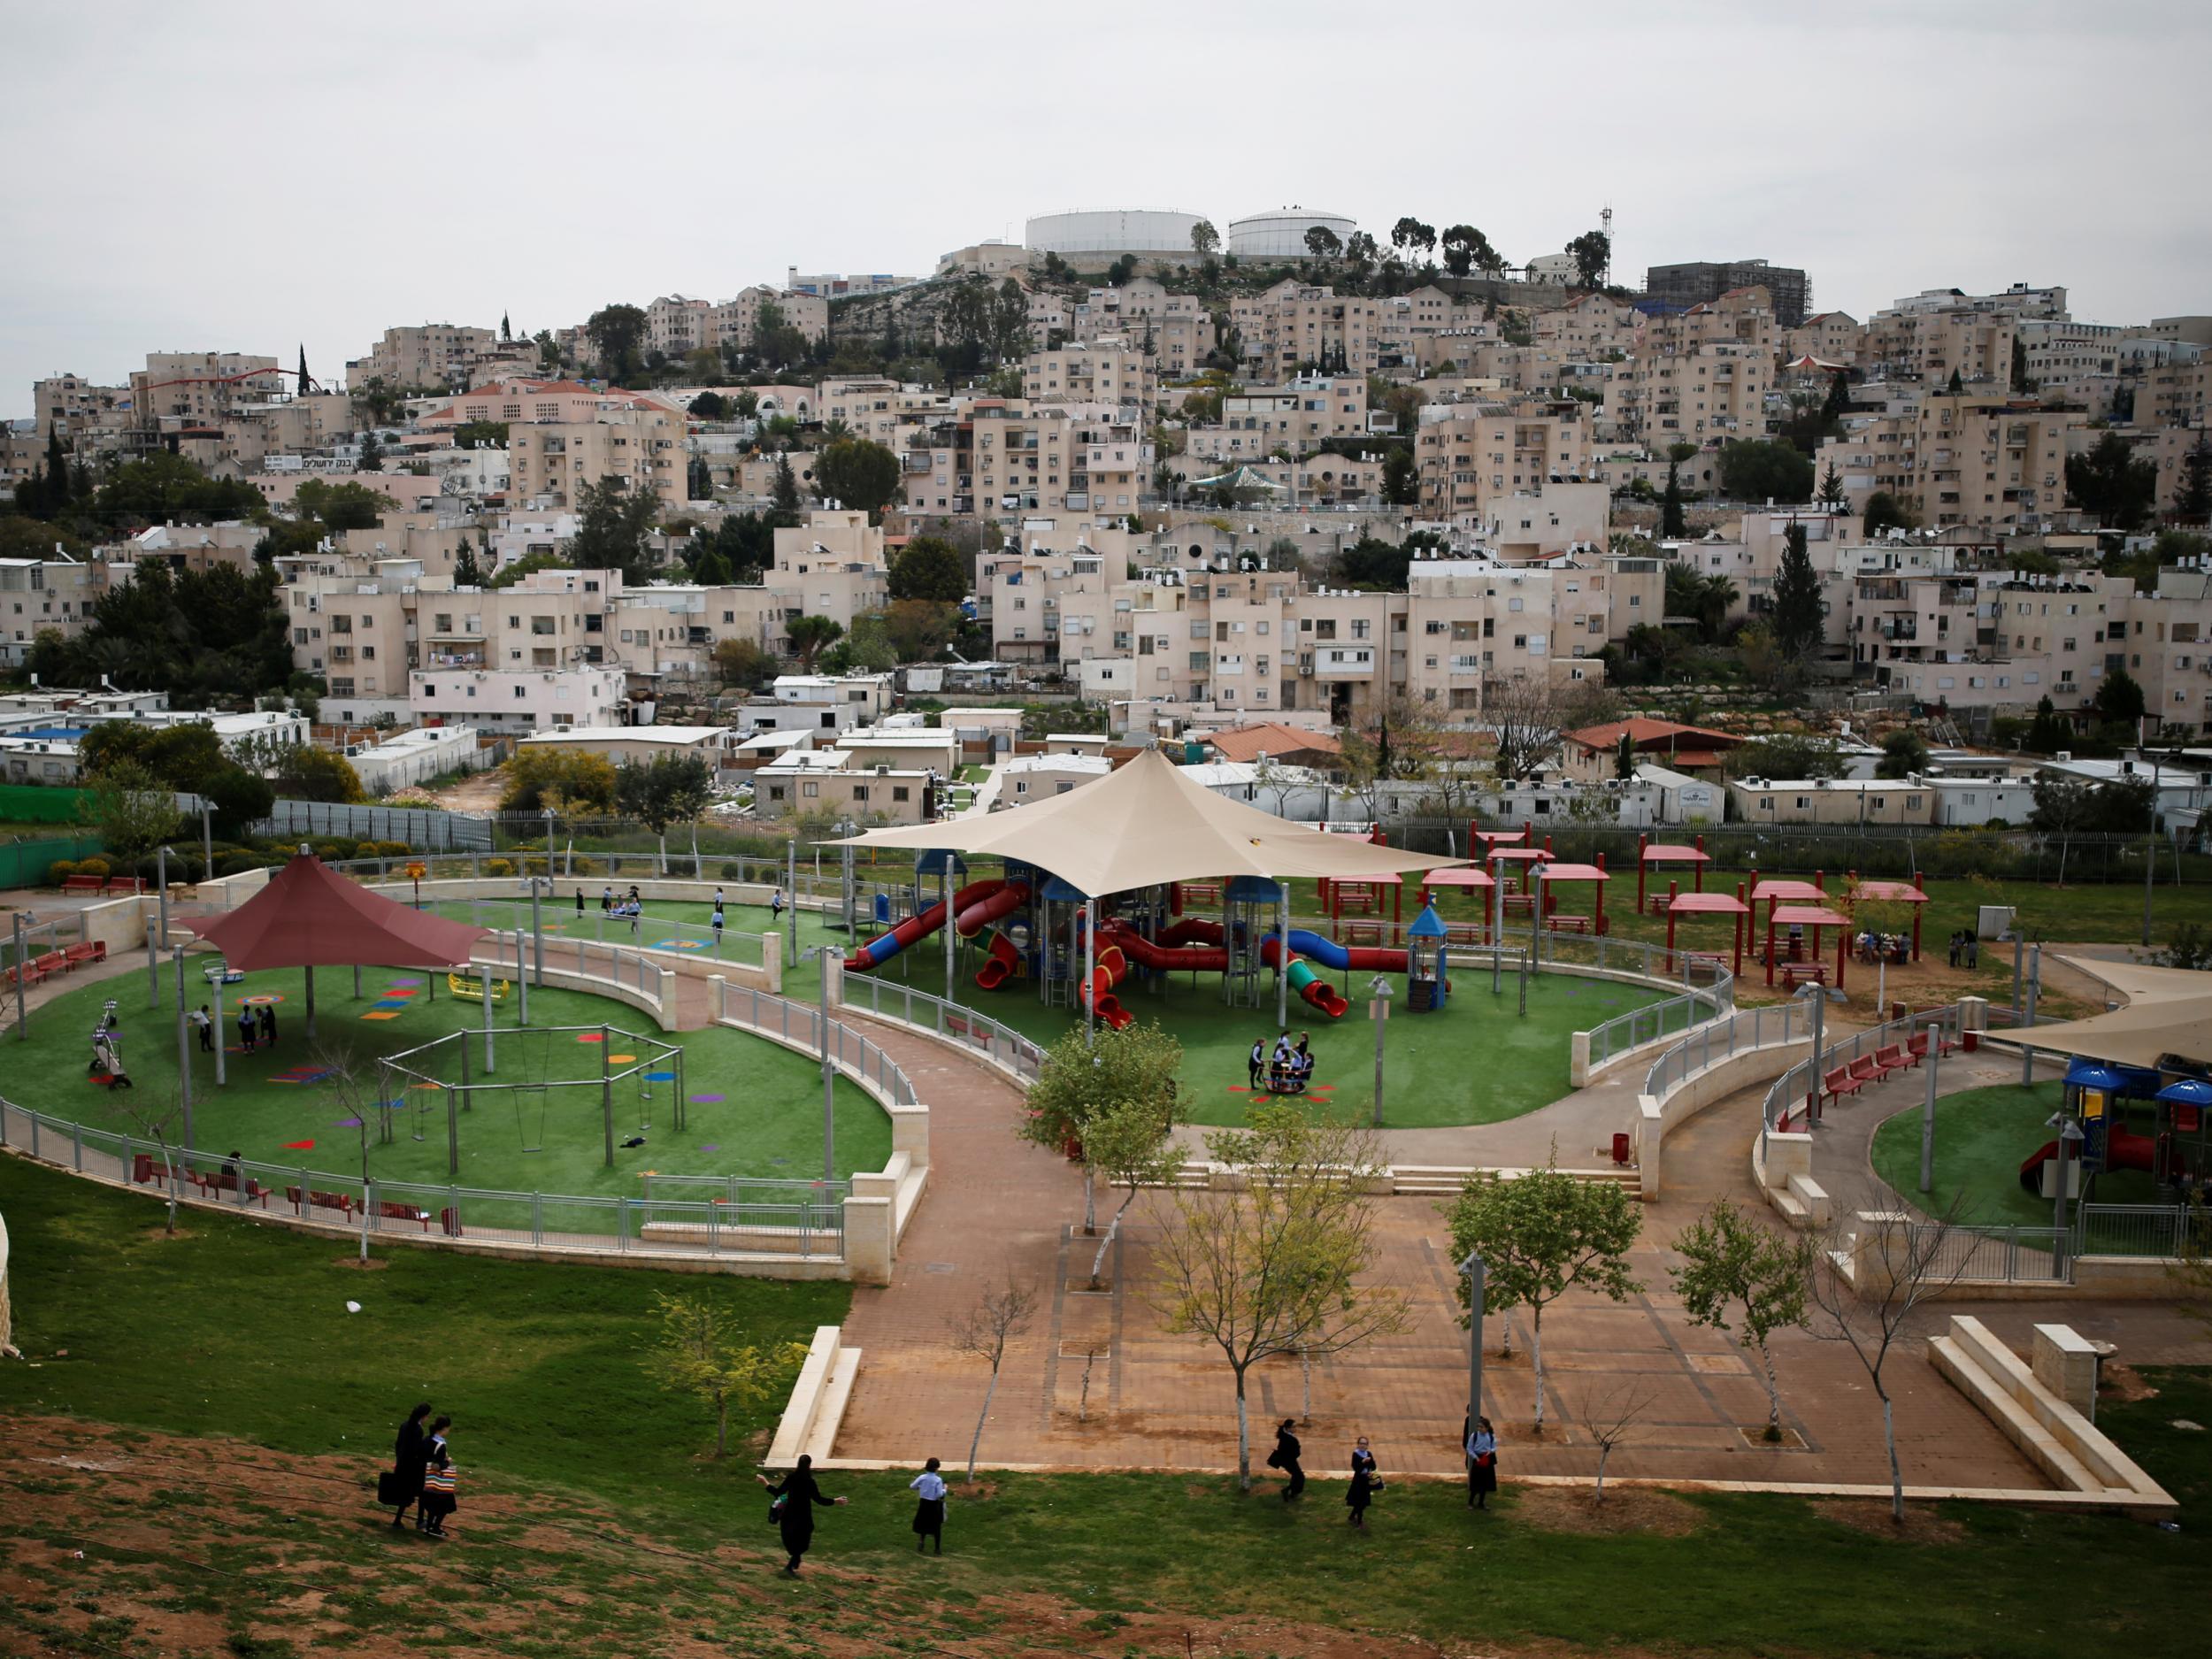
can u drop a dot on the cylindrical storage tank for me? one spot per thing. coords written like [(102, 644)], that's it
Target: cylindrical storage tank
[(1282, 233), (1112, 231)]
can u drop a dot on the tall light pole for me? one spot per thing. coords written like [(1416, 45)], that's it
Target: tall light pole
[(1478, 1277), (826, 953), (1378, 1011), (1928, 1110), (2069, 1140)]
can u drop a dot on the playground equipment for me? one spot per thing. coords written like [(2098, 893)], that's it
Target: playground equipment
[(1427, 984), (414, 1082), (470, 986), (920, 925), (2096, 1096)]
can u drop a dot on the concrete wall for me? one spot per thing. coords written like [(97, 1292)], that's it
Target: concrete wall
[(1658, 1116)]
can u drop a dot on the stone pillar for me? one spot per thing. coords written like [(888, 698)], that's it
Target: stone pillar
[(1651, 1130), (1974, 1013), (2065, 1362), (910, 1133), (870, 1246)]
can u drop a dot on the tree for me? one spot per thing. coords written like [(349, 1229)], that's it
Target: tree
[(858, 474), (1271, 1268), (1205, 240), (132, 809), (1542, 1234), (1466, 248), (2047, 733), (1375, 565), (303, 771), (667, 790), (1899, 1264), (1359, 253), (237, 799), (612, 528), (1411, 236), (156, 1123), (919, 630), (809, 636), (2112, 481), (1523, 715), (985, 1333), (1323, 244), (566, 780), (1791, 755), (1395, 741), (2119, 699), (1129, 1145), (930, 568), (708, 406), (1087, 1076), (866, 648), (695, 1352), (1904, 753), (2193, 500), (165, 487), (1753, 470), (1400, 478), (743, 663), (1672, 524), (1731, 1263), (616, 333), (1831, 492), (1610, 1418), (466, 571), (1799, 618), (1885, 512), (508, 574), (371, 458), (1592, 252), (786, 489)]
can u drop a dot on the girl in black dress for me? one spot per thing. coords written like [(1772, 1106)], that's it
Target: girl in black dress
[(795, 1513), (1285, 1457), (929, 1513), (1359, 1495), (410, 1457), (439, 1480)]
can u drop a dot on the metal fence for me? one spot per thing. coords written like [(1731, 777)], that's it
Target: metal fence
[(1992, 1255), (592, 925), (803, 1026), (949, 1020), (1795, 1088), (2152, 1230), (427, 831), (1716, 1040), (796, 1223)]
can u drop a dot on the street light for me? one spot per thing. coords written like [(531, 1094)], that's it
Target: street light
[(1478, 1278), (1378, 1011), (2070, 1138), (827, 953)]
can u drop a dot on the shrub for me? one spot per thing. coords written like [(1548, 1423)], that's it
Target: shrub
[(364, 849), (330, 852), (503, 867), (62, 868), (237, 863), (393, 849), (733, 872), (96, 865)]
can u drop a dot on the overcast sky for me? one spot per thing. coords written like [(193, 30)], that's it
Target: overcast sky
[(251, 177)]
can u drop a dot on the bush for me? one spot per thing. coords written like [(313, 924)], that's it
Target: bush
[(736, 873), (364, 849), (96, 865), (237, 863), (393, 849), (330, 852), (503, 867), (62, 868)]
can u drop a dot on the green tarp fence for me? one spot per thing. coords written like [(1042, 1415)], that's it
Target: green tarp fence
[(25, 863)]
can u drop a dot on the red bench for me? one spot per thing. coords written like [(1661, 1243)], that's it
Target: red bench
[(1568, 923), (1839, 1082), (215, 1186), (52, 962), (339, 1202), (126, 884), (1797, 973), (1917, 1050), (1863, 1070), (403, 1212), (82, 884), (95, 950), (1889, 1057)]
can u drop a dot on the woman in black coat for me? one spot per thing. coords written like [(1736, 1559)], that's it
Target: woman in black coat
[(1286, 1456), (409, 1457), (794, 1515)]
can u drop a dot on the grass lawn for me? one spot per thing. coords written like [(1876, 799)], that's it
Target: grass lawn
[(767, 1122), (613, 1534), (1983, 1136)]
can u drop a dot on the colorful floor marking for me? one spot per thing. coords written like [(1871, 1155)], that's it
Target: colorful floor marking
[(678, 944), (347, 1122), (710, 1147), (704, 1100), (373, 1014), (660, 1077), (302, 1074), (259, 999), (299, 1146), (621, 1059), (590, 1036)]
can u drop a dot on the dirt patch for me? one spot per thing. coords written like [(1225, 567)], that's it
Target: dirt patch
[(1923, 1524), (976, 1491), (1756, 1437), (1648, 1510), (162, 1236), (2123, 1385), (372, 1265)]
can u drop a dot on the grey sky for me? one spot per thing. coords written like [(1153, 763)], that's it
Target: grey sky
[(249, 177)]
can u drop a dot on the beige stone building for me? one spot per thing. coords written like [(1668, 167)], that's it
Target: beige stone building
[(199, 387), (434, 356), (1109, 369), (1832, 800), (1701, 377), (1471, 455), (736, 322), (677, 324), (550, 465), (1088, 463), (1295, 326), (1295, 418), (1829, 336)]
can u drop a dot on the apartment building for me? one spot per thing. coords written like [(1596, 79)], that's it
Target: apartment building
[(1980, 644), (1701, 282), (88, 418), (736, 322), (1296, 326), (1175, 331), (199, 387), (1471, 455), (516, 700), (37, 596), (1110, 369), (1827, 337), (551, 464), (1701, 377), (1979, 462), (833, 565), (1293, 418), (1088, 461), (525, 400), (676, 326), (2167, 649), (432, 357)]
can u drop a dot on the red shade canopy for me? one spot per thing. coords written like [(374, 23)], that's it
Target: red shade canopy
[(1572, 873), (1457, 878), (1501, 838), (308, 918), (1675, 855), (1519, 855), (1786, 887), (1888, 892), (1707, 904), (1807, 916)]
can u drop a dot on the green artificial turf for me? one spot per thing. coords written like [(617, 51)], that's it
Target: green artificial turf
[(239, 1331), (768, 1123), (1982, 1137)]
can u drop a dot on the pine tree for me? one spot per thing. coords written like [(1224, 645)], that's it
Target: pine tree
[(372, 458), (1671, 521), (465, 573), (506, 328), (305, 382), (2192, 501), (1799, 626), (56, 476), (787, 486)]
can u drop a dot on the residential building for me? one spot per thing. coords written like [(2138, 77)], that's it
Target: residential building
[(1698, 377), (1295, 326), (1592, 754), (1108, 370), (676, 326), (736, 322), (1471, 455), (1765, 800), (551, 464), (199, 387), (430, 357), (1700, 282)]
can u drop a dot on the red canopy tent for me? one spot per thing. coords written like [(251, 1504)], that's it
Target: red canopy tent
[(1680, 904), (1892, 893), (308, 918), (1812, 918), (1547, 874), (1462, 877), (1650, 855), (1523, 856), (1787, 890)]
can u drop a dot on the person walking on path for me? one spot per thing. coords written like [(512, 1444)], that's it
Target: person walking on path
[(410, 1456), (1285, 1457), (579, 900), (1482, 1463), (268, 1025), (793, 1510), (1358, 1496), (777, 905), (203, 1024), (1256, 1065), (929, 1514), (606, 899), (717, 927), (440, 1481), (245, 1026), (1363, 1462)]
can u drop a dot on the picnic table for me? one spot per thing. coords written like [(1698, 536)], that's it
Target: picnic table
[(1797, 973), (1559, 924), (1370, 932), (1518, 904), (1469, 934)]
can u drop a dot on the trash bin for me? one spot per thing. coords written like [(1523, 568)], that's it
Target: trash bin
[(1620, 1148), (1970, 1040)]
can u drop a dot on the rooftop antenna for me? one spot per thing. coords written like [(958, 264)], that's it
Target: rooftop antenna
[(1605, 225)]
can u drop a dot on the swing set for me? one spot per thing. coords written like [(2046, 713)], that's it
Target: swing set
[(524, 1065)]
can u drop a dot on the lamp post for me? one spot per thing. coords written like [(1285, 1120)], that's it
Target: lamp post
[(1378, 1011), (1927, 1110), (826, 954), (548, 867), (2070, 1138), (1478, 1285)]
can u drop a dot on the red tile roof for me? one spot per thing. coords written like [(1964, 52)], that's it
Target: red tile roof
[(1248, 743), (1647, 734)]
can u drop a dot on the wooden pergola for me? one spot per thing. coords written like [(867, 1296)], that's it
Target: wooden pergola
[(1680, 904), (1812, 919), (1652, 855), (1892, 893)]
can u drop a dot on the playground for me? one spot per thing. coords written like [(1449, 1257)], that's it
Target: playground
[(749, 1107)]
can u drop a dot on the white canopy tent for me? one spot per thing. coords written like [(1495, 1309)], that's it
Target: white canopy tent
[(2169, 1013), (1145, 824)]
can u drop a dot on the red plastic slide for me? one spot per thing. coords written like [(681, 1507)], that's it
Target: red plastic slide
[(2122, 1151), (1004, 960), (880, 949), (1110, 969), (1003, 899)]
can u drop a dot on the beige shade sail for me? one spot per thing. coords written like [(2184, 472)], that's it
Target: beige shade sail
[(1145, 822), (2169, 1012)]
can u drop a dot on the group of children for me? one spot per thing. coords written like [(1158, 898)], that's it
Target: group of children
[(1287, 1071)]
